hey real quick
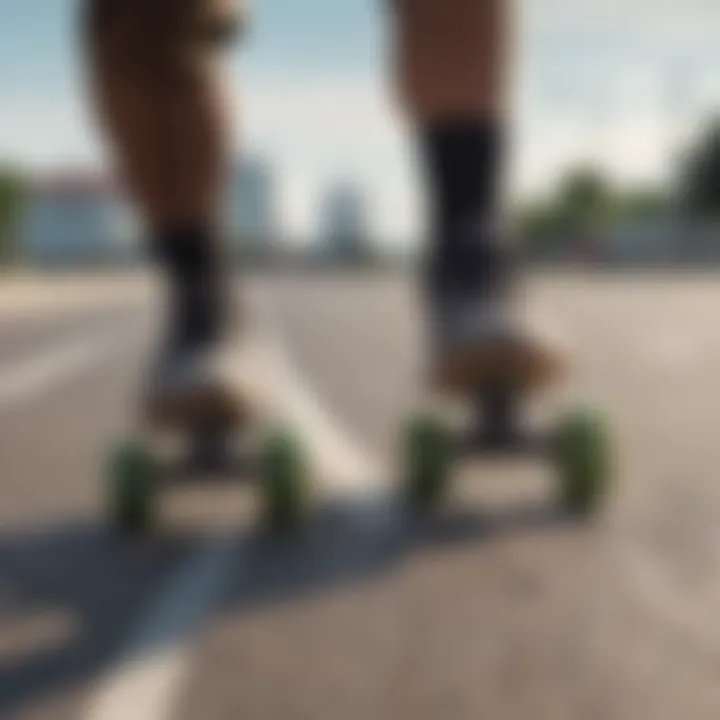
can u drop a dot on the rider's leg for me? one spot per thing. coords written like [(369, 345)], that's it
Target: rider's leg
[(158, 90), (452, 63)]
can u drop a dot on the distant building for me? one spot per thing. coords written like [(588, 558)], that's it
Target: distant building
[(662, 242), (251, 212), (73, 218), (657, 241), (344, 223)]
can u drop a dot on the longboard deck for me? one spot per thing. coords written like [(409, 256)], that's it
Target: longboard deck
[(474, 369), (236, 391), (536, 360)]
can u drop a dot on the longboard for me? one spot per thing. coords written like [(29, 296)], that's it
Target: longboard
[(212, 428), (493, 388)]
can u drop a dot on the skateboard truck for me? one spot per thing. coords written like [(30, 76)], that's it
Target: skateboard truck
[(578, 447), (496, 428), (209, 449), (136, 473)]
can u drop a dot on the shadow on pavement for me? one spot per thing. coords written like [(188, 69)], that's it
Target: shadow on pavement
[(350, 544), (103, 584), (80, 573)]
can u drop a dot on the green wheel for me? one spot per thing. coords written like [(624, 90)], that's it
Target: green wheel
[(583, 456), (428, 461), (285, 474), (133, 478)]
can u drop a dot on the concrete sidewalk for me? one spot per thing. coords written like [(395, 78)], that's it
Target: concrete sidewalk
[(23, 294)]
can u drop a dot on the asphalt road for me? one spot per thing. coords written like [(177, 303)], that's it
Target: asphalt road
[(497, 607)]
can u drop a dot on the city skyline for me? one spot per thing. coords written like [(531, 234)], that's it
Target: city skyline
[(75, 212), (73, 215), (343, 230), (609, 82), (251, 212)]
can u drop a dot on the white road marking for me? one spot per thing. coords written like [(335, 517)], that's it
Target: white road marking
[(338, 459), (144, 683), (155, 661), (150, 674), (27, 378), (49, 295)]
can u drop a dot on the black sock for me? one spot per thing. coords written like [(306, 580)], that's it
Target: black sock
[(199, 288), (463, 161)]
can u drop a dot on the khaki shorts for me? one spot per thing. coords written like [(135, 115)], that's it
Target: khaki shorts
[(159, 40)]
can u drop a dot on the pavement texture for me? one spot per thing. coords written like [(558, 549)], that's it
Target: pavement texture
[(495, 607)]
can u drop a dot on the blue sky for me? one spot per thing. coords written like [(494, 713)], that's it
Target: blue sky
[(603, 80)]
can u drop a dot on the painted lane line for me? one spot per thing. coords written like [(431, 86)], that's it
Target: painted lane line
[(338, 459), (149, 676), (24, 380), (153, 665)]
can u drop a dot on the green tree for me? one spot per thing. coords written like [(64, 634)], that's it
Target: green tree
[(11, 198), (581, 206), (541, 226), (641, 203), (584, 206), (699, 175), (586, 200)]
